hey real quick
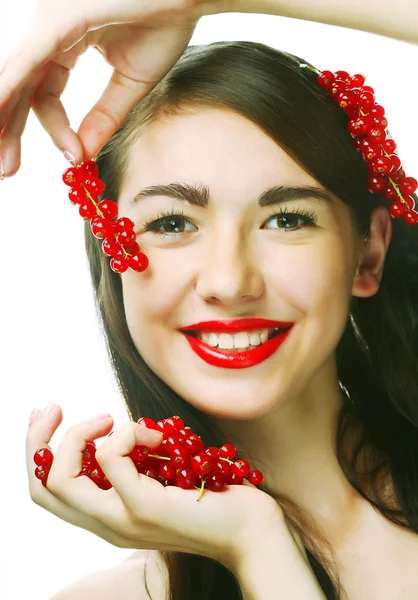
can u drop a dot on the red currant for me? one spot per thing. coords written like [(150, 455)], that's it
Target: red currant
[(255, 477), (227, 451), (43, 457), (202, 464)]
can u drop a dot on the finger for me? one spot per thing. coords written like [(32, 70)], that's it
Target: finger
[(35, 49), (107, 115), (10, 142), (134, 489), (39, 436), (50, 111)]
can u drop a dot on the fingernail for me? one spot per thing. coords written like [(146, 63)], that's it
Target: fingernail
[(68, 156), (1, 169), (101, 417), (33, 416), (47, 409)]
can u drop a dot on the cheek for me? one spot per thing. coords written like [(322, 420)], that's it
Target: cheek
[(314, 279), (149, 302)]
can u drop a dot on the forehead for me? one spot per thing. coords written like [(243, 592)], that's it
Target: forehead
[(215, 147)]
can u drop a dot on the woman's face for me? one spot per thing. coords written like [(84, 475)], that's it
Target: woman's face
[(232, 259)]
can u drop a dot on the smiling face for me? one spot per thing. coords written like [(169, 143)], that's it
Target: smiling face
[(230, 258)]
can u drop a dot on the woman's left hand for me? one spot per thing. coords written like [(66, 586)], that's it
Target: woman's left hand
[(138, 512)]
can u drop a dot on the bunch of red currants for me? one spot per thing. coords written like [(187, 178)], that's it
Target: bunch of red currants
[(180, 460), (118, 235)]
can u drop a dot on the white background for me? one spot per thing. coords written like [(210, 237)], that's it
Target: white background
[(51, 349)]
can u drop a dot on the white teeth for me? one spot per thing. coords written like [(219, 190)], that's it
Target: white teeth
[(242, 340)]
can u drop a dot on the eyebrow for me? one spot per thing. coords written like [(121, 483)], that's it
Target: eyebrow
[(200, 195)]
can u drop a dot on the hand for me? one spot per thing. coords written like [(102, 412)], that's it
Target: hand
[(142, 40), (139, 512)]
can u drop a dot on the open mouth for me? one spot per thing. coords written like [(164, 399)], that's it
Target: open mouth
[(242, 341)]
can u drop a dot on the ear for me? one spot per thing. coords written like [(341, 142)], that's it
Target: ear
[(372, 254)]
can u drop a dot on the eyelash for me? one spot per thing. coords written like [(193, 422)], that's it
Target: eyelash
[(308, 217)]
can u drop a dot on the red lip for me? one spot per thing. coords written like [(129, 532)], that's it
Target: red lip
[(236, 360), (236, 325)]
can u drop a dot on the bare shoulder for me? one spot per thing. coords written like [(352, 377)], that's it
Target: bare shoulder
[(126, 581)]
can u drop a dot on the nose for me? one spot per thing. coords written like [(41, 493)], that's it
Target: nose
[(228, 274)]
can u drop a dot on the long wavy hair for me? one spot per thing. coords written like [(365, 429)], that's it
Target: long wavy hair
[(377, 353)]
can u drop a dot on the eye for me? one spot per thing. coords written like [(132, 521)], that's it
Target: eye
[(168, 224), (282, 216)]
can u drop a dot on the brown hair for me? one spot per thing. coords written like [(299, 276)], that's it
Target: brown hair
[(376, 355)]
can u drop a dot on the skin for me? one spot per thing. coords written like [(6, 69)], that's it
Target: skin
[(235, 261)]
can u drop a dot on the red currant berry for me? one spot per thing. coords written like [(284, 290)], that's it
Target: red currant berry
[(376, 135), (123, 224), (105, 484), (138, 262), (366, 101), (389, 146), (347, 100), (110, 247), (377, 111), (398, 176), (381, 165), (227, 451), (411, 218), (389, 193), (326, 79), (341, 75), (126, 237), (408, 185), (173, 441), (397, 209), (354, 81), (151, 472), (96, 475), (241, 467), (119, 264), (41, 472), (167, 471), (337, 88), (255, 477), (43, 457), (215, 482), (202, 463), (180, 457), (186, 479), (396, 162), (132, 248), (359, 126), (71, 177), (101, 228), (94, 186), (376, 184), (108, 208), (223, 467), (139, 453), (173, 424), (212, 451), (194, 444), (77, 196), (89, 453), (149, 423), (88, 170), (87, 210)]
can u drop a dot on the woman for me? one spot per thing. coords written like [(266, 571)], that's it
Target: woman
[(330, 417)]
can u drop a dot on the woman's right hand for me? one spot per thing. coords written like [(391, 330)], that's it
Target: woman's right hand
[(138, 512), (142, 40)]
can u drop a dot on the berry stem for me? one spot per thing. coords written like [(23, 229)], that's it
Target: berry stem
[(201, 489), (157, 456)]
